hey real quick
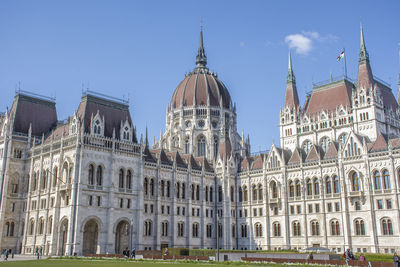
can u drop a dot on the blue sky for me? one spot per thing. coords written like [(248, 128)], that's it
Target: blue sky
[(142, 49)]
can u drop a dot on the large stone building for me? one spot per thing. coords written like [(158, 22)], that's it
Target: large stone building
[(87, 185)]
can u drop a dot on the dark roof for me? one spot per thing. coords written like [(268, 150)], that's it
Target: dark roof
[(39, 111), (113, 111), (380, 144)]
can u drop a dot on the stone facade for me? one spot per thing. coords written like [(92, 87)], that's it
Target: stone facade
[(87, 185)]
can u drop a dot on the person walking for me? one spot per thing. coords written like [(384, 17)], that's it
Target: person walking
[(396, 260), (133, 253)]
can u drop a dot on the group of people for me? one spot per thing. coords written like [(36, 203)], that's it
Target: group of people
[(129, 254), (6, 253)]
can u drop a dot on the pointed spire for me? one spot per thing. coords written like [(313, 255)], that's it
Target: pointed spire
[(331, 78), (201, 58), (363, 55), (146, 141), (290, 76)]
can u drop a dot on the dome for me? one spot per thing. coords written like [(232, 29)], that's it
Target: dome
[(201, 87)]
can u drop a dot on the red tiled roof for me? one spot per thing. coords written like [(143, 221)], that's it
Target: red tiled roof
[(365, 78), (296, 157), (225, 148), (258, 162), (291, 97), (380, 144), (330, 96), (314, 154), (395, 143), (332, 151)]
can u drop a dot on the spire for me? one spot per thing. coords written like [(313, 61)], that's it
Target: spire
[(291, 97), (146, 141), (201, 58), (290, 76), (363, 55)]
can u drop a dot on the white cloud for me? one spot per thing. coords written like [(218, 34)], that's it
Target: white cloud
[(303, 42), (300, 43), (241, 44)]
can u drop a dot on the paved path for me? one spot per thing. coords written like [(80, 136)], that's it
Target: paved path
[(19, 257)]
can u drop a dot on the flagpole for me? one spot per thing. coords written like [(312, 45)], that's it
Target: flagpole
[(345, 65)]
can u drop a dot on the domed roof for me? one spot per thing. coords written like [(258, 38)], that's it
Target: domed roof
[(201, 87)]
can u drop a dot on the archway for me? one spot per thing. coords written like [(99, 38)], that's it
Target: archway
[(90, 237), (122, 237), (62, 237)]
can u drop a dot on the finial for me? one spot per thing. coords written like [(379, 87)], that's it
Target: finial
[(201, 58), (290, 76), (363, 55)]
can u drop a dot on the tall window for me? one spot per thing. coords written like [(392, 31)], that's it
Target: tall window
[(99, 175), (309, 187), (195, 230), (50, 225), (325, 144), (121, 178), (387, 228), (31, 227), (277, 229), (254, 192), (162, 187), (219, 193), (192, 191), (298, 188), (91, 174), (55, 172), (355, 182), (232, 194), (291, 189), (183, 190), (335, 229), (178, 185), (342, 139), (296, 228), (316, 186), (40, 226), (233, 230), (187, 146), (274, 189), (315, 228), (146, 186), (328, 185), (377, 180), (260, 192), (209, 230), (307, 146), (129, 179), (258, 229), (245, 193), (180, 229), (243, 229), (336, 184), (240, 194), (215, 146), (152, 186), (201, 146), (198, 192), (164, 228), (386, 179), (211, 194), (147, 228), (359, 227), (168, 193)]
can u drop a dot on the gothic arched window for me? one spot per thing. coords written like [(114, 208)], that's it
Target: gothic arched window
[(377, 180), (201, 146)]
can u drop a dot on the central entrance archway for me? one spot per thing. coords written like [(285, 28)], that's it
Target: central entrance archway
[(122, 237), (90, 237)]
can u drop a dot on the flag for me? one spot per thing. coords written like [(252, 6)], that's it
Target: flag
[(340, 56)]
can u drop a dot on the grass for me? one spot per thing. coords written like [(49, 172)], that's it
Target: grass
[(79, 262)]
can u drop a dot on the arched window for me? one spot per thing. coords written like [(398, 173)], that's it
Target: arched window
[(309, 187), (232, 194), (206, 193), (219, 193), (254, 192), (328, 185), (146, 186), (377, 180), (260, 192), (355, 182), (168, 193), (240, 194), (183, 190), (291, 189), (40, 226), (99, 175), (50, 225), (91, 174), (187, 146), (245, 193), (129, 179), (121, 178), (298, 188), (335, 229), (359, 227), (148, 227), (180, 229), (164, 228), (387, 227), (386, 180), (201, 146), (195, 230), (314, 228), (296, 228), (7, 230), (215, 146), (274, 189), (192, 190), (233, 229), (336, 187), (162, 187), (211, 194), (277, 229), (342, 139), (44, 179), (178, 185), (31, 227), (220, 230), (197, 192), (243, 228), (152, 186), (55, 173), (258, 229), (316, 186)]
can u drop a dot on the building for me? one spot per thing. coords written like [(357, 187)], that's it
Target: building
[(87, 185)]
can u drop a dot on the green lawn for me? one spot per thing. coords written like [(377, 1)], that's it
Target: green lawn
[(124, 263)]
